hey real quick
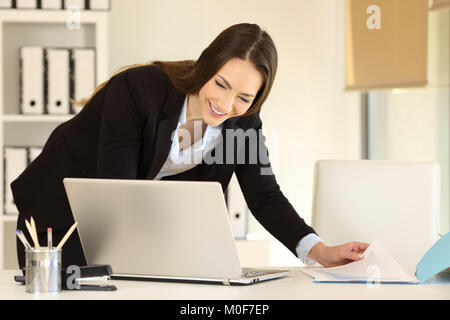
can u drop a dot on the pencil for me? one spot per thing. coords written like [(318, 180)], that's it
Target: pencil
[(69, 232), (33, 225), (30, 230), (49, 239), (22, 238)]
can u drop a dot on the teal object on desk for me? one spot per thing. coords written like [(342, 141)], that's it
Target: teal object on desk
[(435, 260)]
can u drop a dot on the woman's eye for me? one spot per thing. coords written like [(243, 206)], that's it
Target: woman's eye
[(219, 84)]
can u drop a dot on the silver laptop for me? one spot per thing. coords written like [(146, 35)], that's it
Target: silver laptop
[(159, 230)]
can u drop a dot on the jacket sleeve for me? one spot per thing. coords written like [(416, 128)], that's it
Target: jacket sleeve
[(264, 198), (120, 129)]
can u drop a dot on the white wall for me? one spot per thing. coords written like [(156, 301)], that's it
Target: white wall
[(307, 112), (413, 124)]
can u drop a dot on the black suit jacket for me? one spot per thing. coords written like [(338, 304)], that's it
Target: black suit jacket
[(124, 132)]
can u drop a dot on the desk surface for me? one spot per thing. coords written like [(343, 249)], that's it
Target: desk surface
[(297, 286)]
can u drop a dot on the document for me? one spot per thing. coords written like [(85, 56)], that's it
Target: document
[(377, 266)]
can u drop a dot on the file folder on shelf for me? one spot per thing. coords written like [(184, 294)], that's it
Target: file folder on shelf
[(237, 209), (6, 4), (31, 80), (26, 4), (57, 70), (33, 153), (82, 75), (75, 3), (99, 4), (51, 4), (15, 162)]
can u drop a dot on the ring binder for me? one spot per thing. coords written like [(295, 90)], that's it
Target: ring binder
[(6, 4), (99, 4), (51, 4), (57, 65), (26, 4), (237, 209), (31, 80), (82, 75), (81, 4), (15, 161)]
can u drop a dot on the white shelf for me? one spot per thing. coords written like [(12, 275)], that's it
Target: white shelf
[(50, 16), (47, 28), (8, 217), (35, 118)]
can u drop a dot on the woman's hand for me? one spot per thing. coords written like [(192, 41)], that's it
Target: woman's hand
[(338, 255)]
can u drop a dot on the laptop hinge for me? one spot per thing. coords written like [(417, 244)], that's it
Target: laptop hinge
[(226, 282)]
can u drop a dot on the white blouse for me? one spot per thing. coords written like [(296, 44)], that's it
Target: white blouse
[(180, 161)]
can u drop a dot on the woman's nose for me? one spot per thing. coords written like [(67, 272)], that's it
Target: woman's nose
[(227, 106)]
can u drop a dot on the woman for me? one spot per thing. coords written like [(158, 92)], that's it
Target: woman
[(140, 123)]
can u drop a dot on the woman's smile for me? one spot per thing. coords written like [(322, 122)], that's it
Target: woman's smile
[(214, 112)]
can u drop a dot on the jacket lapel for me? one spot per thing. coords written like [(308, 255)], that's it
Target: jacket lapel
[(163, 142)]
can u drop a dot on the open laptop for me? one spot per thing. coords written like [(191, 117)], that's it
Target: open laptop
[(159, 230)]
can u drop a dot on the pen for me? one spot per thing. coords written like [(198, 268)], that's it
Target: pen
[(22, 238), (49, 238), (30, 230), (69, 232), (33, 225)]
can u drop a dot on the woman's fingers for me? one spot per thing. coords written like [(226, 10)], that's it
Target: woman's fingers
[(363, 246), (355, 250), (345, 253), (359, 246), (352, 255)]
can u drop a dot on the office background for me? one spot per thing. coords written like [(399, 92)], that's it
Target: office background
[(308, 115)]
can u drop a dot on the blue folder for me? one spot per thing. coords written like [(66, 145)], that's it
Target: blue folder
[(435, 260)]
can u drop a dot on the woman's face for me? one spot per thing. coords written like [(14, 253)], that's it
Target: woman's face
[(230, 92)]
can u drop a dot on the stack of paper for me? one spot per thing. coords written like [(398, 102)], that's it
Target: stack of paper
[(376, 266)]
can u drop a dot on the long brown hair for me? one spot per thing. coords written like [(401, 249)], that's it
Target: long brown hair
[(244, 41)]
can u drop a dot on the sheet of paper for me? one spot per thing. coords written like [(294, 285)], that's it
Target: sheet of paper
[(377, 266)]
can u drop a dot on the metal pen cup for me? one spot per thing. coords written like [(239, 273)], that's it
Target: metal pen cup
[(43, 270)]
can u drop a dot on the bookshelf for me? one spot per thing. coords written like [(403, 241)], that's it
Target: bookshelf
[(51, 28)]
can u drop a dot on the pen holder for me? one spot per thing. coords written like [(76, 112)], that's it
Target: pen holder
[(43, 270)]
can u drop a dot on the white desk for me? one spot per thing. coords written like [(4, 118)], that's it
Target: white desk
[(298, 286)]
